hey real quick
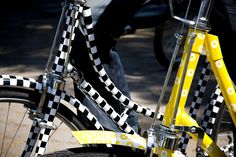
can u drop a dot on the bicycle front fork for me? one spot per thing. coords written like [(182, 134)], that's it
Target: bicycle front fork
[(43, 117)]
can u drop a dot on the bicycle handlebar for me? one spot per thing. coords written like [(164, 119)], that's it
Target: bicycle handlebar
[(186, 21), (203, 15)]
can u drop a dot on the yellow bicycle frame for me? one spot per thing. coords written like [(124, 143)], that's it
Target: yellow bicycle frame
[(204, 44)]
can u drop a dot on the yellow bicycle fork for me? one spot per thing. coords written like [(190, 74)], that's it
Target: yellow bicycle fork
[(208, 45)]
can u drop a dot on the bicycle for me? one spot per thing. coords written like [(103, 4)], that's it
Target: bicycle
[(42, 98)]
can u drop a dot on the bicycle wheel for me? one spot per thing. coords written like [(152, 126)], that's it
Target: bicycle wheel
[(224, 132), (15, 102), (164, 43)]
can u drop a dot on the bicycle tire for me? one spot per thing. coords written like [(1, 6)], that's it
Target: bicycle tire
[(115, 151), (223, 127), (29, 99)]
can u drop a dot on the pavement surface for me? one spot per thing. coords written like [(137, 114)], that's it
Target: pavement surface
[(26, 36)]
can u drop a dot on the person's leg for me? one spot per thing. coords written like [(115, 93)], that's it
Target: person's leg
[(118, 77), (111, 23)]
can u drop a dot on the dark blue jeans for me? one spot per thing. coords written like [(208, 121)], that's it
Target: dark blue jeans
[(116, 74)]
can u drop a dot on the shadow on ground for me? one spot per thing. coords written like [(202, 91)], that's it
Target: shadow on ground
[(25, 37)]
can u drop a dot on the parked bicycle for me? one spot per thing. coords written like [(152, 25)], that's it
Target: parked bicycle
[(45, 98)]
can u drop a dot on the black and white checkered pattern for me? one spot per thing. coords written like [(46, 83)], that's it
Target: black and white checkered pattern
[(32, 139), (229, 149), (183, 142), (82, 109), (98, 67), (67, 36), (197, 100), (53, 96), (200, 90), (102, 103), (10, 80), (106, 107), (211, 111), (23, 82)]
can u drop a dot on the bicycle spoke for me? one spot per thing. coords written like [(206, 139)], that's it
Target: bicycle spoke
[(55, 130), (5, 128), (16, 132)]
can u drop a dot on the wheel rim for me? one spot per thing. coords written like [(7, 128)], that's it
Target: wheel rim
[(15, 126)]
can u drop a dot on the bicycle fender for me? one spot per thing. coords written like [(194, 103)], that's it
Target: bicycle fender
[(110, 137)]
